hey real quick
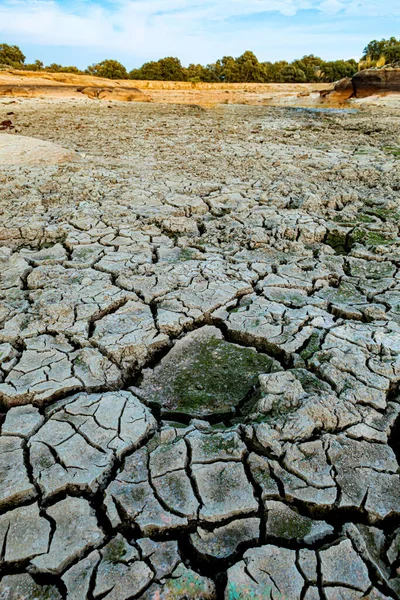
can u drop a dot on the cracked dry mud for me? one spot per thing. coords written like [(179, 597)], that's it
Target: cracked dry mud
[(200, 355)]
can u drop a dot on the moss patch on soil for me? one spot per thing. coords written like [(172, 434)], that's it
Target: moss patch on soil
[(204, 375)]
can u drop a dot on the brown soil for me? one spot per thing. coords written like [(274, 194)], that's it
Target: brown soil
[(65, 85)]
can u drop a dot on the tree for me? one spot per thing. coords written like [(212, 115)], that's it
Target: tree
[(292, 74), (111, 69), (338, 69), (274, 70), (392, 54), (11, 55), (375, 49), (165, 69), (249, 69), (171, 69), (214, 71), (267, 69), (311, 66), (197, 73), (150, 71), (226, 69)]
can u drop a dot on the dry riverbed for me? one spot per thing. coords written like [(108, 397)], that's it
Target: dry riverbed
[(199, 352)]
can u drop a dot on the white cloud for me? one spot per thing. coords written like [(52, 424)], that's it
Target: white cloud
[(331, 7), (191, 29)]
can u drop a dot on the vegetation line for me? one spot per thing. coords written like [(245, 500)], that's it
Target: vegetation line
[(243, 69)]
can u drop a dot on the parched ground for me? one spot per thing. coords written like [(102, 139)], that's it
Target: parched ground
[(200, 353), (32, 84)]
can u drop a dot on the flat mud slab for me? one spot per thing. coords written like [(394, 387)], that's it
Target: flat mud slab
[(200, 353), (204, 376)]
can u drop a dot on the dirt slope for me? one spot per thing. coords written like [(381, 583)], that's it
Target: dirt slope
[(33, 84)]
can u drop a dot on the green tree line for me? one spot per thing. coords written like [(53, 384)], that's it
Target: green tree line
[(242, 69)]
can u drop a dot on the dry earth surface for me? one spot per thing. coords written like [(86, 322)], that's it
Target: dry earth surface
[(199, 353), (31, 84), (65, 85)]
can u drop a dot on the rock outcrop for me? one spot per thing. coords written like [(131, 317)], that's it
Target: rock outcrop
[(370, 82), (376, 81), (22, 150), (343, 90)]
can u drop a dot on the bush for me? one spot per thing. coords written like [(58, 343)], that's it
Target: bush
[(56, 68), (36, 66)]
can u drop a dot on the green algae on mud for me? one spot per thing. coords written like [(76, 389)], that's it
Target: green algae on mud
[(343, 240), (185, 583), (115, 551), (289, 525), (236, 592), (204, 375)]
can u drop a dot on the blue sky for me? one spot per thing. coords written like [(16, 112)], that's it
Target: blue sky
[(82, 32)]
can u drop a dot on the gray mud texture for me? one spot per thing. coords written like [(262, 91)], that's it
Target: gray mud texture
[(200, 354)]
